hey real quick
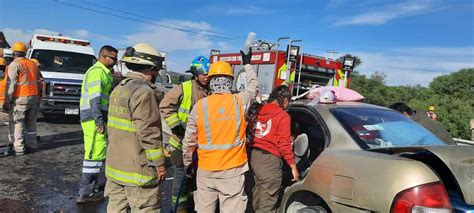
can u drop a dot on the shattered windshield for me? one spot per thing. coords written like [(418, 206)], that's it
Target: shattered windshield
[(61, 61), (379, 128)]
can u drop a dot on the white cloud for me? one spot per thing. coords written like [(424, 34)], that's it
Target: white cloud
[(14, 35), (250, 10), (384, 14), (85, 34), (171, 39), (181, 46), (411, 66)]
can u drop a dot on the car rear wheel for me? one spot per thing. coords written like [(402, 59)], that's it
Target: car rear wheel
[(297, 207)]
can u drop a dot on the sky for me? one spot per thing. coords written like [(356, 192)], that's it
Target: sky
[(412, 41)]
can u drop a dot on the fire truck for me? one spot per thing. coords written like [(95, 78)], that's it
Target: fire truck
[(274, 67)]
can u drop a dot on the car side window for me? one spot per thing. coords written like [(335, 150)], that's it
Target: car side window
[(309, 137)]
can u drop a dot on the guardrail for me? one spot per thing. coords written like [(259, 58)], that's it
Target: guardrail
[(464, 142)]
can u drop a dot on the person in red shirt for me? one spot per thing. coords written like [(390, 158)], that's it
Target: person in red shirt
[(271, 143)]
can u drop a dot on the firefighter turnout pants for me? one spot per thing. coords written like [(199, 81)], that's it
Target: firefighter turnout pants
[(22, 125), (95, 144), (135, 198)]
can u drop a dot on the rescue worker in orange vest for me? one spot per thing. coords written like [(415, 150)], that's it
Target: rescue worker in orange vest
[(216, 129), (21, 100), (3, 80), (41, 88), (3, 66), (175, 108)]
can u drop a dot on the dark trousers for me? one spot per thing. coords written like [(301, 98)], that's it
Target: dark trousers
[(267, 170), (93, 177), (181, 192)]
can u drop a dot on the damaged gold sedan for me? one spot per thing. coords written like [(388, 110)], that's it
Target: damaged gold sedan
[(357, 157)]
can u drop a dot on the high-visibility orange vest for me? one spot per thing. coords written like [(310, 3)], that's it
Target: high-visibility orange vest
[(27, 80), (221, 132), (3, 87)]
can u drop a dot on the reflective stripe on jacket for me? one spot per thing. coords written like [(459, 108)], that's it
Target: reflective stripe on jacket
[(134, 131), (179, 101), (221, 132), (95, 93), (181, 116), (185, 106)]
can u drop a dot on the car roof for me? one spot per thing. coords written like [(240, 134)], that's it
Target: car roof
[(310, 103)]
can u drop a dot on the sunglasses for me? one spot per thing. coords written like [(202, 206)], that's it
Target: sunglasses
[(113, 58)]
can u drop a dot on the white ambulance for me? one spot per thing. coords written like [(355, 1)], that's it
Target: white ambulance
[(63, 63)]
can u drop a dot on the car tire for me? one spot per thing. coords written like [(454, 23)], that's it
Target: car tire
[(297, 207)]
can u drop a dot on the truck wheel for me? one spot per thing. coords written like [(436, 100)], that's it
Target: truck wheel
[(297, 207)]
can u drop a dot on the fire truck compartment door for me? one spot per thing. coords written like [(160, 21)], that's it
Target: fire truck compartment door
[(265, 77)]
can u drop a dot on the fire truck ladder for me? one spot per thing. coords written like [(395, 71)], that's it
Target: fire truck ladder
[(287, 61)]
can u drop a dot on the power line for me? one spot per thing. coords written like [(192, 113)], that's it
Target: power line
[(155, 19), (147, 22)]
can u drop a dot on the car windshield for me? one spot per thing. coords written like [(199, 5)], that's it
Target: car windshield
[(61, 61), (380, 128)]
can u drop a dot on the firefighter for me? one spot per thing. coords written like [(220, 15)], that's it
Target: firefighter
[(94, 104), (21, 100), (175, 108), (282, 74), (135, 158), (216, 129)]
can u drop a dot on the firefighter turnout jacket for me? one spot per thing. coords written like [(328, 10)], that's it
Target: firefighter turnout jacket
[(134, 131), (177, 104)]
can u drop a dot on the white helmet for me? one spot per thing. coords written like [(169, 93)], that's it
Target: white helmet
[(144, 54)]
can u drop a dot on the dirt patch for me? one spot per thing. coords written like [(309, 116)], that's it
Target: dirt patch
[(9, 205)]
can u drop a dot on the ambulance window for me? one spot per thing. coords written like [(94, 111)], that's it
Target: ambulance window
[(62, 61)]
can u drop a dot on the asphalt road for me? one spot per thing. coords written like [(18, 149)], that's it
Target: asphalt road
[(47, 180)]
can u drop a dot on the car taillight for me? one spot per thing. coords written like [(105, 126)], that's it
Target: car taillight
[(431, 197)]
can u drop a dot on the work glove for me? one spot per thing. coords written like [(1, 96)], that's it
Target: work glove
[(178, 131), (246, 57)]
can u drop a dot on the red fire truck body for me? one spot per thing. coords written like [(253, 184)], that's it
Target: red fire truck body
[(267, 64)]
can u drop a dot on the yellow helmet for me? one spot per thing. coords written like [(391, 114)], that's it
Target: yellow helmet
[(19, 47), (3, 62), (431, 108), (144, 54), (220, 68)]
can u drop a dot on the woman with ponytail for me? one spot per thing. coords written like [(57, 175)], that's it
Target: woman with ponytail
[(271, 143)]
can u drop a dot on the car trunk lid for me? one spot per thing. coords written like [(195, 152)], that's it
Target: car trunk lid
[(459, 160)]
